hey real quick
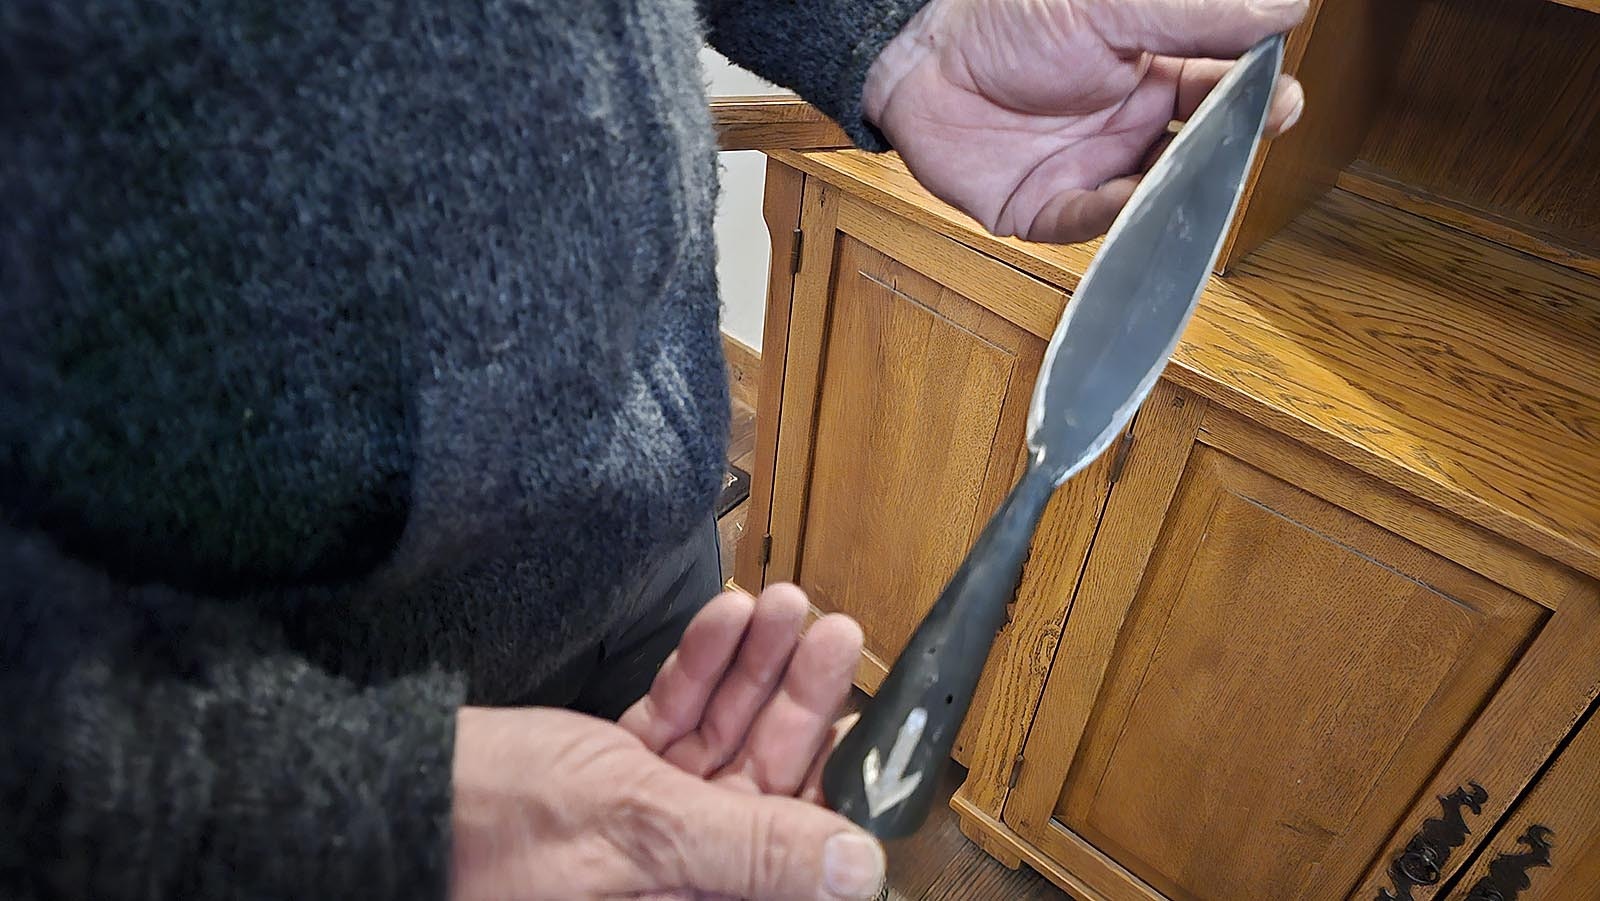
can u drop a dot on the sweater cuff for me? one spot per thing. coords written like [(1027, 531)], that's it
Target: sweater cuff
[(821, 51), (165, 745)]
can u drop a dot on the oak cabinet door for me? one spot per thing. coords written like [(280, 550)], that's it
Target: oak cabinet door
[(901, 426), (1549, 849), (1272, 666)]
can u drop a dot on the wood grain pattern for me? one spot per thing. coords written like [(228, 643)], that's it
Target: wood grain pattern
[(1343, 53), (901, 447), (1163, 434), (908, 459), (938, 862), (774, 122), (986, 832), (1020, 299), (1096, 868), (1488, 555), (1364, 689), (1465, 374), (1263, 212), (1216, 767), (883, 456), (1557, 247), (1020, 655), (1006, 845), (1555, 681), (1497, 105), (802, 379), (781, 211), (1565, 801), (1459, 370), (1026, 648), (744, 370), (977, 878)]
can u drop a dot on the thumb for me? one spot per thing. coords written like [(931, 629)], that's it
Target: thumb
[(770, 846), (1211, 28)]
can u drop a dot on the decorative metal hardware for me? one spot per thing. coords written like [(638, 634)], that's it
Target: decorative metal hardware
[(1423, 859), (1508, 874), (794, 251)]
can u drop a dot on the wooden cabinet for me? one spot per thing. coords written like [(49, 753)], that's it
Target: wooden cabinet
[(1324, 624), (1550, 847), (858, 390), (1345, 563), (1248, 695)]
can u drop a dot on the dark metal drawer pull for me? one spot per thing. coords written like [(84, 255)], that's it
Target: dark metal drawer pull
[(1422, 862), (1508, 874)]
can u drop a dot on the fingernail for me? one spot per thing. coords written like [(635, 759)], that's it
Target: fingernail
[(852, 866), (1294, 114), (1281, 6)]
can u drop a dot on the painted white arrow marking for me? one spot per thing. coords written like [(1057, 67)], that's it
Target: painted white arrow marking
[(888, 785)]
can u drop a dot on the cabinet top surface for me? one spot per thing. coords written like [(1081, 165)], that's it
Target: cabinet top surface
[(1463, 371)]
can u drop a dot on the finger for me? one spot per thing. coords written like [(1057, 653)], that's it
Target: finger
[(764, 653), (1155, 151), (812, 790), (1196, 77), (793, 725), (1077, 215), (678, 696), (689, 834), (1219, 28)]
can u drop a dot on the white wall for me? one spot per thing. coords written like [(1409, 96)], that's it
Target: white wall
[(742, 240)]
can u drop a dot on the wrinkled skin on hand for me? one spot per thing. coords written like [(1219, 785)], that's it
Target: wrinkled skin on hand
[(1037, 117), (706, 788)]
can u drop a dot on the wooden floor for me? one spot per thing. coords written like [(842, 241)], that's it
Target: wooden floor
[(938, 862)]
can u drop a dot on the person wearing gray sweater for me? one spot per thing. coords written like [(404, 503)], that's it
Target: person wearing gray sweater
[(361, 405)]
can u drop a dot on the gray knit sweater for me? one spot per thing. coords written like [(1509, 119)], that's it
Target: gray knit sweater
[(356, 359)]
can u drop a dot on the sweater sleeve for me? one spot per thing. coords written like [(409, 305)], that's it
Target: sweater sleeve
[(160, 746), (821, 50)]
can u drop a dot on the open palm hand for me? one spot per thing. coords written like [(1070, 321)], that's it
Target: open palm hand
[(750, 697), (706, 788), (1036, 117)]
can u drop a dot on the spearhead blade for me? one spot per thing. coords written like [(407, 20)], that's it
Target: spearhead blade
[(1125, 318), (1120, 327)]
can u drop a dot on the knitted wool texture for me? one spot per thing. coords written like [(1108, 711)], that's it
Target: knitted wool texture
[(356, 360)]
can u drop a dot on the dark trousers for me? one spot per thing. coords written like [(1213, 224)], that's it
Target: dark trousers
[(607, 680)]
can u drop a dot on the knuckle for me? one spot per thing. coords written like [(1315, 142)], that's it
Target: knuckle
[(769, 859), (650, 832)]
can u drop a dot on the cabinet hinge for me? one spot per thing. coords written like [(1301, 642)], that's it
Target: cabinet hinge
[(1120, 456), (794, 250), (1016, 773), (766, 549)]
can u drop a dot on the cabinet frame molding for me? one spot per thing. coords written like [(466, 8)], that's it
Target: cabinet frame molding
[(780, 207), (1378, 502)]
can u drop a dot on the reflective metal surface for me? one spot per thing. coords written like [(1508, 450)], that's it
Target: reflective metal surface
[(1125, 318)]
